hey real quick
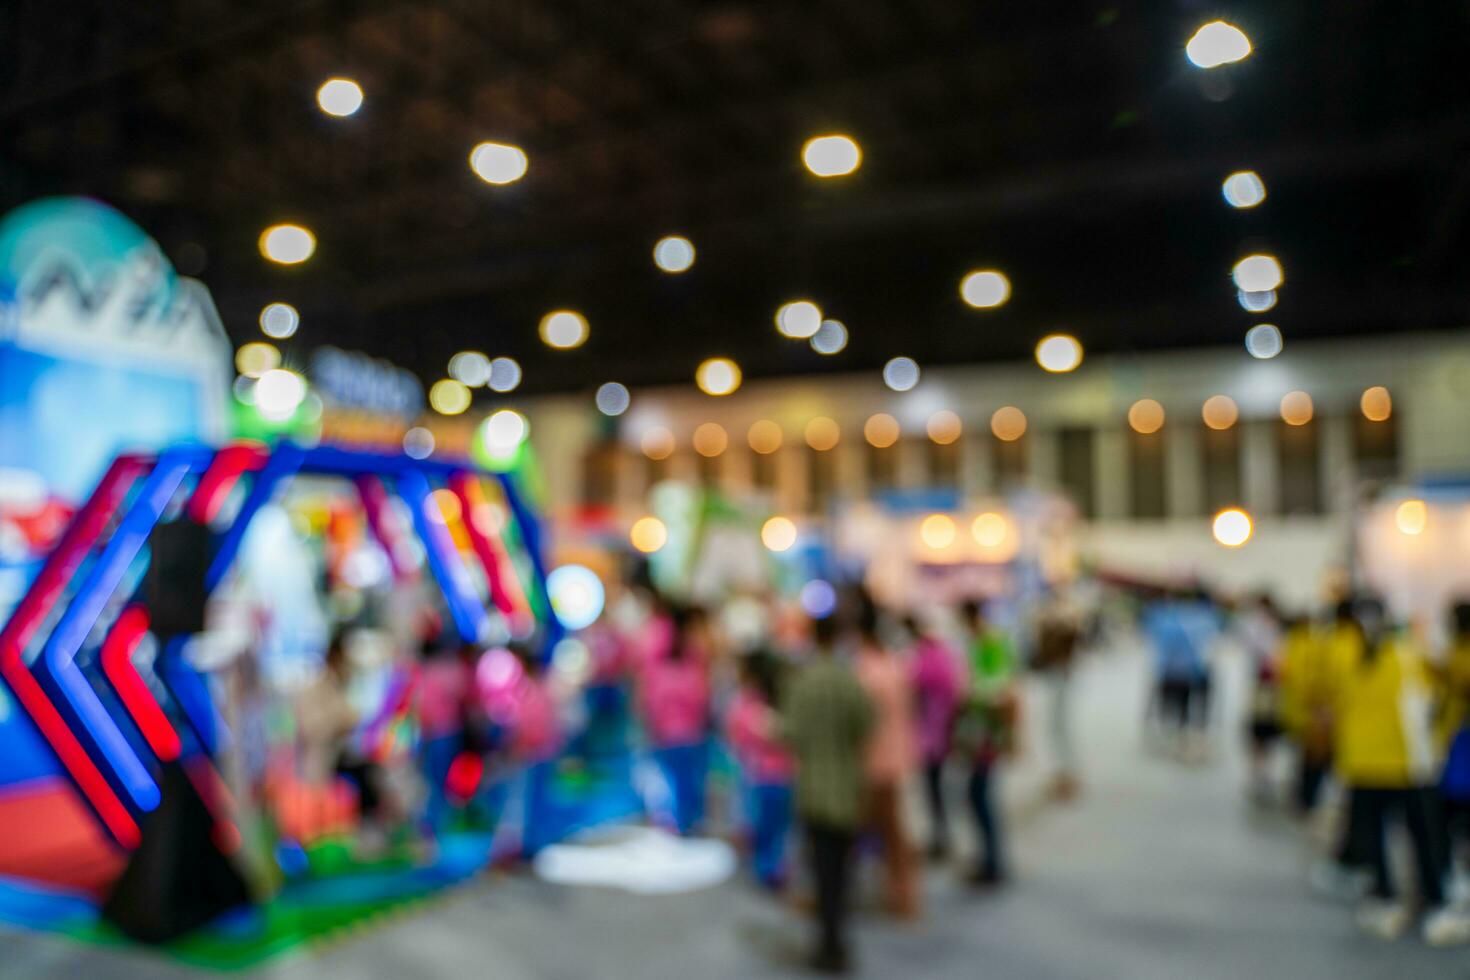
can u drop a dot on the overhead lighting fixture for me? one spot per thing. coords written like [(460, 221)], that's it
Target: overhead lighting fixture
[(717, 376), (881, 430), (564, 329), (985, 289), (1296, 408), (1263, 341), (1059, 353), (505, 374), (901, 373), (1008, 423), (834, 155), (279, 320), (1232, 527), (1257, 273), (287, 244), (1256, 302), (764, 436), (1243, 189), (1217, 43), (612, 399), (498, 163), (673, 254), (1377, 404), (1219, 412), (339, 97), (449, 397), (1146, 416), (471, 368), (830, 338), (799, 319)]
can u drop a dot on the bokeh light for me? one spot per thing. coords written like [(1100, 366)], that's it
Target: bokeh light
[(418, 443), (901, 373), (1263, 341), (1146, 416), (1008, 423), (564, 329), (1232, 527), (470, 368), (505, 374), (1217, 43), (278, 393), (937, 531), (449, 397), (673, 253), (822, 433), (990, 530), (818, 598), (1059, 353), (1296, 408), (944, 427), (717, 376), (256, 358), (778, 534), (339, 97), (1377, 404), (1256, 302), (498, 163), (881, 430), (612, 398), (764, 436), (798, 319), (1219, 412), (710, 439), (658, 443), (576, 594), (1411, 517), (279, 320), (502, 433), (287, 244), (833, 155), (1244, 189), (648, 534), (444, 506), (1257, 273), (985, 289), (830, 338)]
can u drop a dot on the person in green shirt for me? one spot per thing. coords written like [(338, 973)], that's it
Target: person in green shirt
[(826, 719), (987, 731)]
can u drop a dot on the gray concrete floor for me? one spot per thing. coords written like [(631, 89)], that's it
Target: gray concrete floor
[(1160, 870)]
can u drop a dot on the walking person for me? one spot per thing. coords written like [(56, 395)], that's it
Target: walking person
[(826, 719), (1059, 631), (938, 677), (987, 732), (766, 766)]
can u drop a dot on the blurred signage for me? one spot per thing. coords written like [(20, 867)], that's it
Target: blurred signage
[(352, 380)]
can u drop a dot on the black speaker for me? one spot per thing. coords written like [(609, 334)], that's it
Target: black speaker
[(174, 587), (177, 880)]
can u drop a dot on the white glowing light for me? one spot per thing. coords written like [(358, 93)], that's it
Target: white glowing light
[(470, 367), (901, 373), (1217, 43), (505, 374), (613, 398), (778, 534), (1263, 341), (985, 289), (564, 329), (503, 432), (1244, 189), (287, 244), (1059, 353), (1256, 302), (799, 319), (498, 163), (279, 320), (1232, 527), (674, 253), (830, 338), (576, 595), (717, 376), (418, 443), (339, 97), (278, 393), (1257, 273), (831, 156)]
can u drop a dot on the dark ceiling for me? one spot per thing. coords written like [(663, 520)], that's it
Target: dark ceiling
[(1067, 143)]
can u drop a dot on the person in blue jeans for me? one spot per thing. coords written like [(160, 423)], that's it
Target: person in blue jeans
[(766, 766)]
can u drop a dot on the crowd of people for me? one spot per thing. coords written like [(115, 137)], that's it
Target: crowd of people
[(1363, 705)]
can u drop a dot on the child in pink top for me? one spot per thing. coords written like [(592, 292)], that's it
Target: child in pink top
[(938, 678), (675, 701), (766, 765)]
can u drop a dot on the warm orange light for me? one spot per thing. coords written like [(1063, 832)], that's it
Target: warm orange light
[(822, 433), (710, 439), (1219, 412), (1377, 404), (937, 531), (881, 430), (764, 437), (778, 534), (446, 507), (944, 427), (1146, 416), (1008, 423), (1296, 408), (658, 443), (648, 534), (995, 535), (1412, 517)]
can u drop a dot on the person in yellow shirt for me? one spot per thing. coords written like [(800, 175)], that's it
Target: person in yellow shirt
[(1305, 694), (1383, 752)]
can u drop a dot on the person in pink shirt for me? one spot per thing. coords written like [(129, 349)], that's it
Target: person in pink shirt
[(766, 765), (938, 677), (674, 699), (891, 754)]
